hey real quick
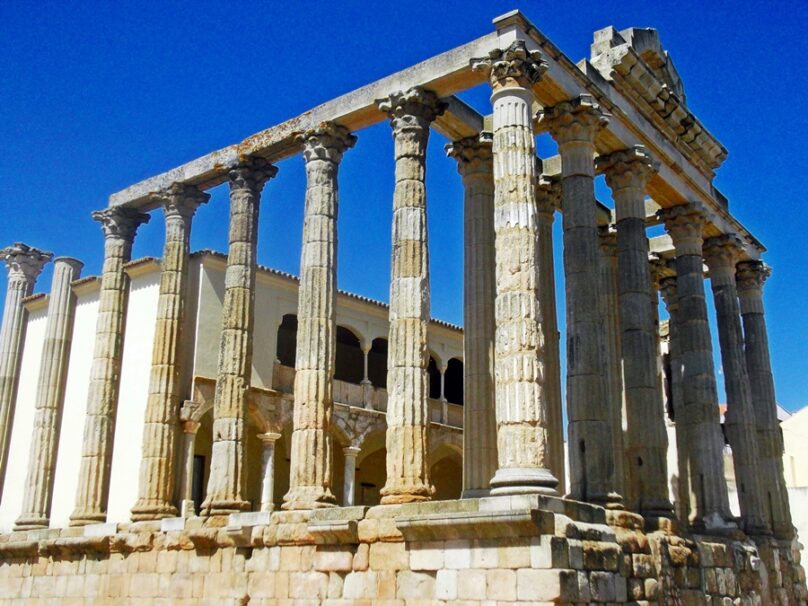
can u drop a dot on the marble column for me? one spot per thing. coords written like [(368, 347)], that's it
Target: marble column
[(574, 125), (721, 254), (24, 264), (548, 201), (268, 470), (187, 505), (646, 442), (411, 112), (119, 224), (475, 165), (50, 396), (700, 416), (349, 481), (310, 468), (750, 276), (613, 353), (523, 443), (226, 481), (160, 431), (367, 386)]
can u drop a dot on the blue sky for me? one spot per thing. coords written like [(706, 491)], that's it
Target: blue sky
[(97, 96)]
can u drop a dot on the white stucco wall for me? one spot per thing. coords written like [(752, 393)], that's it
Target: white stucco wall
[(19, 448)]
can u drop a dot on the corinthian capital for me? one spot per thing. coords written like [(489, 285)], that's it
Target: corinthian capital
[(722, 252), (181, 200), (627, 168), (578, 119), (413, 108), (660, 269), (120, 222), (751, 275), (252, 173), (473, 154), (685, 224), (326, 142), (513, 67), (24, 262), (548, 193)]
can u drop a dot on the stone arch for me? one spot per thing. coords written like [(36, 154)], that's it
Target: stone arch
[(349, 362), (286, 348), (371, 467), (446, 466), (433, 370), (377, 363), (453, 379)]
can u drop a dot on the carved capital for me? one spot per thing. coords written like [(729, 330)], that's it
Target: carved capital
[(181, 200), (120, 222), (413, 108), (24, 262), (513, 67), (607, 237), (326, 142), (660, 269), (252, 173), (685, 224), (722, 252), (669, 292), (473, 154), (548, 193), (627, 168), (577, 120), (750, 277)]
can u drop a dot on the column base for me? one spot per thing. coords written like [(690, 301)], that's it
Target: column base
[(475, 493), (144, 511), (523, 480), (406, 494), (31, 522), (220, 507), (187, 508), (83, 518)]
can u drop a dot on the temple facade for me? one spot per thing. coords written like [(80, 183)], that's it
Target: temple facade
[(201, 429)]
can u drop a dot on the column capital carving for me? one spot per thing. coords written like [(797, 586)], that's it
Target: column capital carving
[(351, 451), (627, 168), (326, 142), (607, 236), (722, 252), (473, 154), (669, 291), (750, 277), (575, 120), (251, 172), (181, 200), (24, 262), (269, 437), (661, 268), (685, 225), (190, 426), (512, 67), (548, 193), (120, 222), (416, 107)]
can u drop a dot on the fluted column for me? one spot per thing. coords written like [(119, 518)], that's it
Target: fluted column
[(24, 264), (705, 442), (50, 395), (548, 200), (157, 467), (227, 468), (523, 444), (721, 254), (475, 165), (120, 225), (750, 276), (349, 477), (627, 173), (613, 353), (574, 125), (268, 470), (411, 113), (310, 467)]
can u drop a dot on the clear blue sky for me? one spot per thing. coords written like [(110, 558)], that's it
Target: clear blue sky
[(97, 96)]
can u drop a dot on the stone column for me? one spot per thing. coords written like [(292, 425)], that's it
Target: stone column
[(627, 173), (722, 254), (157, 467), (310, 469), (475, 165), (227, 467), (268, 470), (349, 482), (187, 505), (120, 224), (410, 113), (574, 125), (613, 353), (705, 442), (523, 444), (24, 264), (367, 386), (50, 396), (548, 200), (444, 403), (750, 277)]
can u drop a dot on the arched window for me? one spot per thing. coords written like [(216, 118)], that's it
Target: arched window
[(453, 382), (287, 340), (377, 363), (350, 360), (434, 378)]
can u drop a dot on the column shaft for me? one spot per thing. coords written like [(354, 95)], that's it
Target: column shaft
[(186, 488), (268, 470), (349, 478)]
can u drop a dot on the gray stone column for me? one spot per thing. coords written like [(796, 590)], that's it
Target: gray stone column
[(120, 225), (24, 264), (574, 125), (410, 113), (160, 431), (268, 470), (310, 468), (627, 173), (475, 164), (349, 477), (187, 505), (750, 276), (227, 467), (50, 396), (705, 442), (548, 201), (722, 254), (613, 353), (523, 444)]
